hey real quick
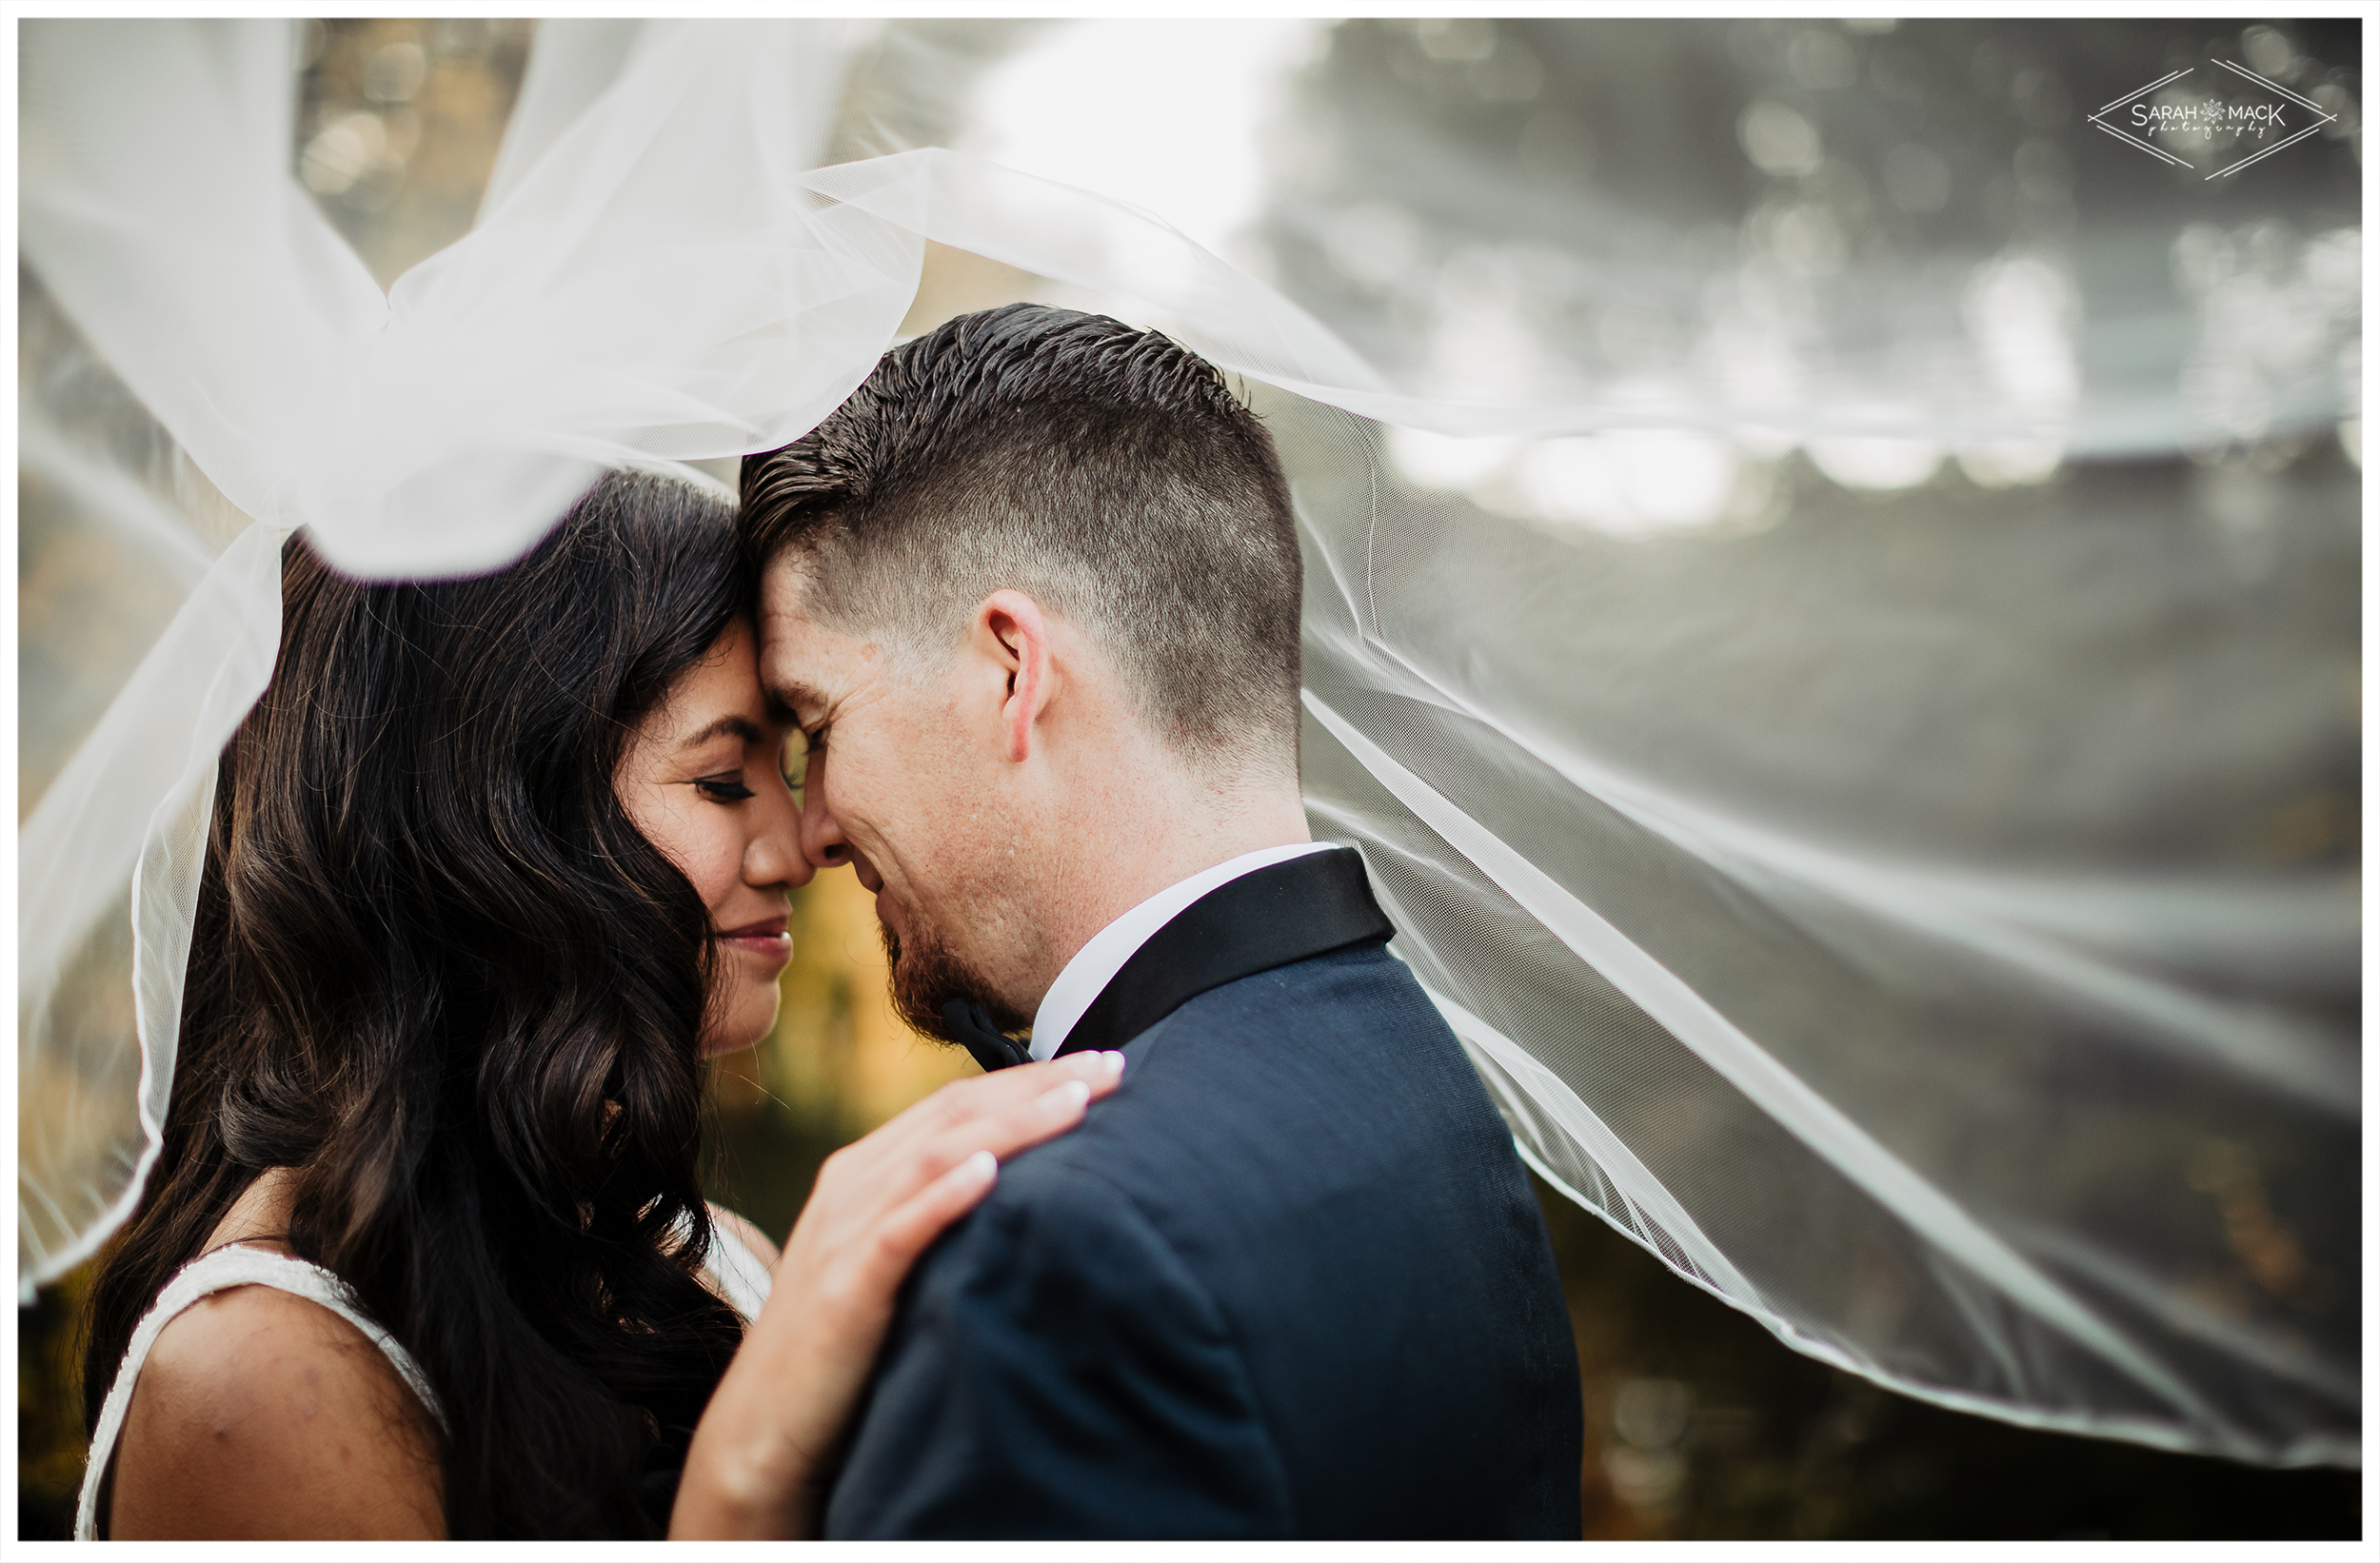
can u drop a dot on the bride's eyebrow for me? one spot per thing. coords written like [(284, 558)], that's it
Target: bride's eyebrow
[(742, 728)]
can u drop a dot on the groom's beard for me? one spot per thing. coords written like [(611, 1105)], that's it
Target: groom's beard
[(928, 973)]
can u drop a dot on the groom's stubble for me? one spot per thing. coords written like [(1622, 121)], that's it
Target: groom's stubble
[(928, 973)]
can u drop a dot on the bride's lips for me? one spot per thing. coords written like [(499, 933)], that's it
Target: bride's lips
[(766, 940)]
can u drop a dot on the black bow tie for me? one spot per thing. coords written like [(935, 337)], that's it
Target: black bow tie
[(1284, 913), (971, 1027)]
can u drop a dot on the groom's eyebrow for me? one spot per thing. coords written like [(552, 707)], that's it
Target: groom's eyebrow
[(743, 728), (784, 700)]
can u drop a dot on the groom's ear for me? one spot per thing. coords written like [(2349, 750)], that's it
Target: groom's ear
[(1010, 631)]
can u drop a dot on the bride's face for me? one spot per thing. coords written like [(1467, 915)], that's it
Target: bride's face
[(702, 780)]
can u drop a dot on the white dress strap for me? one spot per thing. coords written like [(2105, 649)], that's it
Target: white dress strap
[(215, 1272), (736, 1273)]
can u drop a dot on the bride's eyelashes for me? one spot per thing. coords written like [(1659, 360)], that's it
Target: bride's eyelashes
[(733, 786), (726, 788), (793, 764)]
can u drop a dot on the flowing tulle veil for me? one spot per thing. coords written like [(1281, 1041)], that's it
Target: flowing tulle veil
[(1953, 1124)]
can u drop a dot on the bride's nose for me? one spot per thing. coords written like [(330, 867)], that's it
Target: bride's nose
[(773, 854)]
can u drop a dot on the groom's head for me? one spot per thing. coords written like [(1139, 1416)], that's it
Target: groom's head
[(1037, 585)]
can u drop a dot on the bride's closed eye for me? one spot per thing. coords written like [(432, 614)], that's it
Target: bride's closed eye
[(726, 787)]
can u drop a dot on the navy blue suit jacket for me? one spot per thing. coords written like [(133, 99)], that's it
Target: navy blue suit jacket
[(1289, 1280)]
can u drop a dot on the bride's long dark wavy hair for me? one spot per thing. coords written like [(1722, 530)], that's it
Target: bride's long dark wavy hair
[(438, 972)]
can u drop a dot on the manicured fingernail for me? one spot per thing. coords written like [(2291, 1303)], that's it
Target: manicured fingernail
[(1076, 1093), (983, 1165), (1115, 1062)]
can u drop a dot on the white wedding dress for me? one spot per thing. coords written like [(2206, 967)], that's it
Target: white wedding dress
[(733, 1271), (1763, 916)]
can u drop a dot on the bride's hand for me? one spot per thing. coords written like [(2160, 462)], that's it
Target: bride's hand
[(756, 1466)]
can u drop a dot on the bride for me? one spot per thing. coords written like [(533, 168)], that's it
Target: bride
[(492, 866)]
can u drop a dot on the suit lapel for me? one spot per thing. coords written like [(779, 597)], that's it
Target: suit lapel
[(1279, 915)]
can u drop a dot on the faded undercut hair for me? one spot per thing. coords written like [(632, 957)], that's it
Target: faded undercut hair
[(1102, 471)]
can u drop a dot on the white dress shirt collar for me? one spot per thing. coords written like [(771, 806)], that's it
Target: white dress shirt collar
[(1088, 975)]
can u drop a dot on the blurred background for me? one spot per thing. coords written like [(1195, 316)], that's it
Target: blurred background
[(1714, 214)]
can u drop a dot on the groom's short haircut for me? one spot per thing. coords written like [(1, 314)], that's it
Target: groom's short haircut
[(1104, 471)]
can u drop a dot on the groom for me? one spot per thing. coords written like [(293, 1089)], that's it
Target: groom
[(1034, 594)]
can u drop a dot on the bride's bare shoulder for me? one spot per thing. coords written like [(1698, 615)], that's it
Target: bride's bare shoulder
[(259, 1413)]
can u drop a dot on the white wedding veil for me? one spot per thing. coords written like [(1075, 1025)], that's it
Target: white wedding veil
[(1705, 879)]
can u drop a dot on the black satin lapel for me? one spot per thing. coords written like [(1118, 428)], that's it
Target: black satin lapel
[(1288, 911)]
